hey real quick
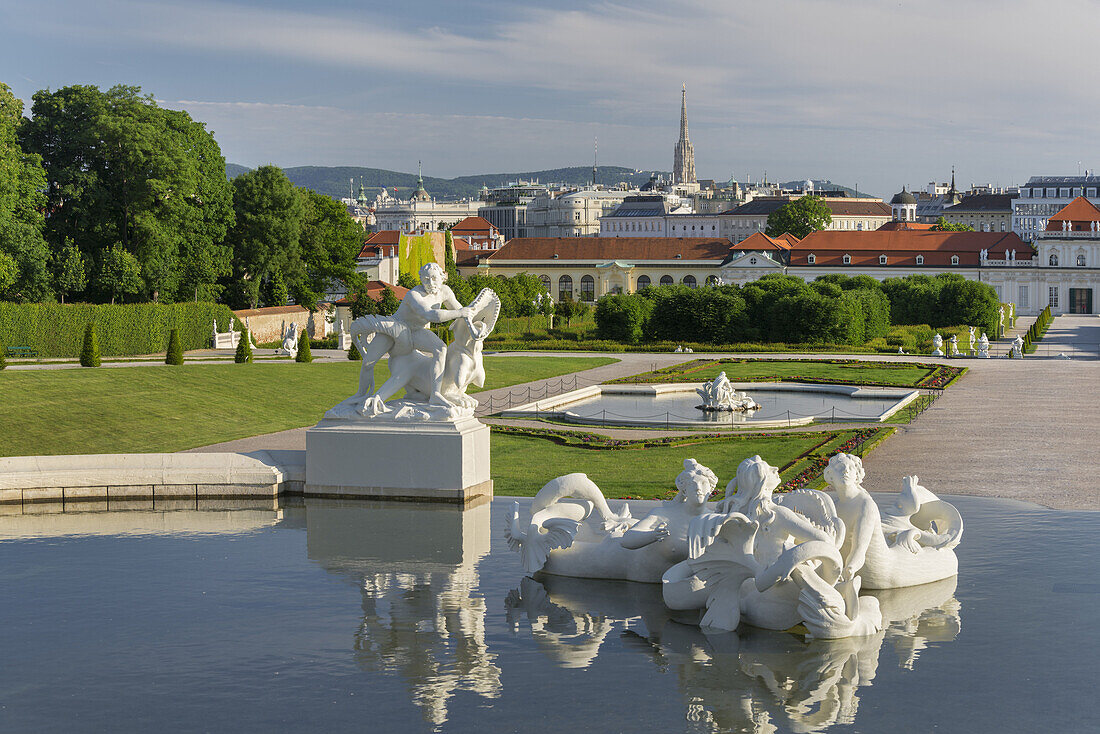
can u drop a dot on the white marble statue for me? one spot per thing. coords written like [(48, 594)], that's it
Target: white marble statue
[(774, 561), (971, 339), (937, 346), (983, 346), (290, 340), (248, 329), (1001, 317), (1017, 349), (678, 349), (901, 351), (954, 342), (720, 395), (343, 338), (434, 375)]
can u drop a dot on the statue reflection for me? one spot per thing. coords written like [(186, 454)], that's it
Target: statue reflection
[(752, 680), (423, 617)]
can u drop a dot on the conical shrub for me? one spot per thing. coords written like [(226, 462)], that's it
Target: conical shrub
[(353, 353), (175, 350), (89, 355), (244, 349), (304, 355)]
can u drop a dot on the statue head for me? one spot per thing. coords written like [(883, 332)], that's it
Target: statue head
[(755, 480), (844, 471), (432, 277), (695, 483)]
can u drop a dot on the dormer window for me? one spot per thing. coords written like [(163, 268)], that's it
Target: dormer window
[(847, 259), (881, 259), (920, 259), (954, 259), (811, 258)]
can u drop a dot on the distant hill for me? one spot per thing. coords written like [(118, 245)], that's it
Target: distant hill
[(340, 181)]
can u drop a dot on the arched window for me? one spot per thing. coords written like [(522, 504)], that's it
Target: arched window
[(565, 287), (1054, 260), (643, 281), (881, 259), (689, 281), (666, 280), (847, 259), (1080, 261), (712, 280), (920, 259), (588, 288), (954, 259), (545, 280), (811, 258)]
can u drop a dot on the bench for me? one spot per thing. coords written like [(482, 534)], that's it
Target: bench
[(22, 352)]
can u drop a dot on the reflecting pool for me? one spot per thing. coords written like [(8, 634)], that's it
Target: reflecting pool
[(408, 618)]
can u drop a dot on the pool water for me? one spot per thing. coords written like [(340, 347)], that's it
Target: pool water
[(334, 616)]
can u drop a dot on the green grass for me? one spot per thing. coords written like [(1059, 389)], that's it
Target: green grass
[(523, 464), (864, 373), (163, 408)]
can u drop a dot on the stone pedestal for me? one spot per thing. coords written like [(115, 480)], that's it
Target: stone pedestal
[(417, 461)]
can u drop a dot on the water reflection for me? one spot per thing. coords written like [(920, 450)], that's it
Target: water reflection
[(753, 680), (416, 567)]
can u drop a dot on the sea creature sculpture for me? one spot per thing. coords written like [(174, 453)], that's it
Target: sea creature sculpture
[(720, 395)]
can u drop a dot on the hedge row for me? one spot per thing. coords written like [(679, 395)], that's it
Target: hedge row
[(57, 330)]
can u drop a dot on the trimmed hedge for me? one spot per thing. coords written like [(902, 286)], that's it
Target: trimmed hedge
[(57, 330)]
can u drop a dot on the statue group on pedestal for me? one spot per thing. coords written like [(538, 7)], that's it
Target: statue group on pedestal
[(774, 561), (720, 395)]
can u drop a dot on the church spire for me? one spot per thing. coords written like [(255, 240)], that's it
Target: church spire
[(683, 164), (684, 114)]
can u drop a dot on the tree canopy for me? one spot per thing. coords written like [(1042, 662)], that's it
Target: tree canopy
[(942, 225), (799, 217)]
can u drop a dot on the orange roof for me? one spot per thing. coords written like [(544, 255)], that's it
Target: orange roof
[(762, 242), (470, 257), (595, 249), (375, 289), (1081, 212), (896, 226), (386, 237), (903, 246), (473, 225), (789, 238)]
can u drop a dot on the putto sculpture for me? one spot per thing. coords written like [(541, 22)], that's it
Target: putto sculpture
[(954, 343), (434, 375), (290, 340), (983, 346), (1016, 351), (773, 561), (720, 395)]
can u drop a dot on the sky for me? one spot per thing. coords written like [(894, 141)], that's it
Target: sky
[(870, 93)]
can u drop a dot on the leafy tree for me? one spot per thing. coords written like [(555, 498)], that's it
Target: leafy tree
[(265, 237), (243, 355), (361, 304), (175, 349), (119, 273), (304, 354), (407, 280), (89, 354), (330, 242), (546, 308), (388, 303), (24, 256), (942, 225), (799, 217), (621, 317), (69, 274)]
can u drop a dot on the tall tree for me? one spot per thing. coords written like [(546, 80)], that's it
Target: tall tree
[(265, 237), (119, 273), (799, 217), (69, 274), (23, 252), (330, 242)]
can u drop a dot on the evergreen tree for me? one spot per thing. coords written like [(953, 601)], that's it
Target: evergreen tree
[(243, 354), (353, 353), (89, 355), (388, 304), (277, 293), (175, 349), (304, 354), (407, 280)]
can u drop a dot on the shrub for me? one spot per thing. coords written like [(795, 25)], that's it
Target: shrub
[(304, 354), (243, 355), (89, 355), (622, 317), (353, 353), (3, 356), (175, 351)]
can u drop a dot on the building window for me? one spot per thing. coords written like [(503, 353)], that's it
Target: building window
[(565, 288), (1063, 192), (752, 261), (881, 259), (920, 259), (1022, 298), (643, 281), (1091, 193), (1053, 260), (1052, 296), (588, 288), (666, 280), (545, 280), (847, 259), (811, 258), (689, 281), (1080, 261), (954, 259)]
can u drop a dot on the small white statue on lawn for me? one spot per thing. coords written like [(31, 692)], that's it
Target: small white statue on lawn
[(971, 339), (343, 338), (290, 340), (1001, 317), (937, 346), (901, 350), (720, 395), (433, 375), (954, 342), (678, 349), (1017, 350), (983, 346)]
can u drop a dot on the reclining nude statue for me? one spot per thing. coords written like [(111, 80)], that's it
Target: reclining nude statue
[(434, 375), (774, 561)]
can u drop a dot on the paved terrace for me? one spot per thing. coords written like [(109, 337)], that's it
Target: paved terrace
[(1022, 430)]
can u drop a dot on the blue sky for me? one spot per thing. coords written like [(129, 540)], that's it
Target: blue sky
[(875, 93)]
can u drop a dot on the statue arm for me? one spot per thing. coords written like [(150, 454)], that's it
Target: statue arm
[(646, 531), (861, 534), (433, 315)]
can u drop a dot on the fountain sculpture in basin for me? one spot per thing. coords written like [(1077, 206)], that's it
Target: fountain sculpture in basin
[(720, 395), (774, 561)]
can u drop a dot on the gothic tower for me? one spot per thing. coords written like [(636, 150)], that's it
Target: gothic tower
[(683, 162)]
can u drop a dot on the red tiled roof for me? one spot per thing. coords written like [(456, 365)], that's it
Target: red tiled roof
[(1080, 211), (906, 226), (269, 311), (473, 225), (596, 249), (762, 242), (385, 237), (901, 247), (467, 257)]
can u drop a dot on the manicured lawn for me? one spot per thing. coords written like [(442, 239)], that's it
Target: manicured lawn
[(163, 409), (853, 372), (523, 464)]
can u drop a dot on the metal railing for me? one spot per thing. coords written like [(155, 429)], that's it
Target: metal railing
[(529, 394)]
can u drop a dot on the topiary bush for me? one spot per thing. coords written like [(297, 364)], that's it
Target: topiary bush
[(89, 355), (304, 354), (175, 351), (243, 355), (353, 353)]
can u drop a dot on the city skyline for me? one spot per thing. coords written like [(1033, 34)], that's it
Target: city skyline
[(869, 95)]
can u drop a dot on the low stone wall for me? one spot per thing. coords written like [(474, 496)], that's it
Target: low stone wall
[(269, 324)]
